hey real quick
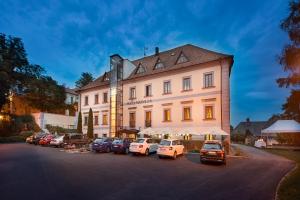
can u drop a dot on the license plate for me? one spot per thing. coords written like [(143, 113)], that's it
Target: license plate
[(212, 153), (115, 146)]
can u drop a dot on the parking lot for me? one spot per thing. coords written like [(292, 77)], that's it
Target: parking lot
[(35, 172)]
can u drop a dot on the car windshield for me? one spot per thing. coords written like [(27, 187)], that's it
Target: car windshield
[(165, 143), (140, 141), (117, 142), (211, 146), (99, 140)]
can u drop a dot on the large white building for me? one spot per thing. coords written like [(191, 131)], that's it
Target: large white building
[(182, 91)]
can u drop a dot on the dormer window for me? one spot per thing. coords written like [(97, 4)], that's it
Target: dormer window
[(181, 59), (105, 77), (159, 64), (141, 69)]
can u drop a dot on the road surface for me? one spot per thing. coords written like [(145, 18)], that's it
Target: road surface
[(37, 173)]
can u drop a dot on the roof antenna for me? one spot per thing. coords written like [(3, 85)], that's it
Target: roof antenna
[(145, 49)]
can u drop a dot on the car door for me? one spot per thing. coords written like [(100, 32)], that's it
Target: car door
[(175, 146)]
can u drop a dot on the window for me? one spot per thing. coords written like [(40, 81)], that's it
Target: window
[(181, 59), (159, 64), (85, 121), (72, 100), (167, 87), (141, 69), (86, 100), (186, 84), (96, 98), (167, 115), (187, 113), (132, 120), (105, 99), (132, 93), (148, 119), (209, 112), (96, 120), (104, 119), (208, 80), (148, 91)]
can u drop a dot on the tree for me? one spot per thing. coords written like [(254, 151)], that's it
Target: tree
[(45, 94), (26, 80), (290, 60), (85, 79), (79, 123), (90, 130)]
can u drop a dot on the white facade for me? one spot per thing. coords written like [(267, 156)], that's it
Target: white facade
[(195, 105), (64, 121)]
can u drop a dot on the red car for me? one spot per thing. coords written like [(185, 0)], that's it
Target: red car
[(46, 140)]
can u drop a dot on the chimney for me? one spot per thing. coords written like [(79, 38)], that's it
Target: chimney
[(156, 51)]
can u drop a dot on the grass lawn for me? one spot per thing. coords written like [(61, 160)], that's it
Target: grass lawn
[(290, 187)]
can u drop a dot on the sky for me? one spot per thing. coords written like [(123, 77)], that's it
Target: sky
[(68, 37)]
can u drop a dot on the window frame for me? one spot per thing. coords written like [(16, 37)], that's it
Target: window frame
[(96, 102), (85, 120), (130, 113), (170, 87), (130, 94), (183, 113), (212, 79), (104, 114), (213, 112), (103, 95), (86, 100), (96, 124), (150, 93), (190, 83), (164, 115)]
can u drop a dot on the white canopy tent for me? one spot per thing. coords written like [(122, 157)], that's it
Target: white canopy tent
[(282, 126)]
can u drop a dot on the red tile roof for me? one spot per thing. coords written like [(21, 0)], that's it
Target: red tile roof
[(195, 55)]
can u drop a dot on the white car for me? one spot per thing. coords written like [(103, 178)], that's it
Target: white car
[(57, 141), (170, 148), (143, 146), (260, 143)]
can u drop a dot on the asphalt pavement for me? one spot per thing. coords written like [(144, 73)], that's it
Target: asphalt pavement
[(35, 172)]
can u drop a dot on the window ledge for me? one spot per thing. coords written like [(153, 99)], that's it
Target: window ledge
[(212, 119), (167, 121), (104, 124), (147, 96), (187, 90), (166, 93), (132, 98), (187, 120), (104, 102), (210, 87)]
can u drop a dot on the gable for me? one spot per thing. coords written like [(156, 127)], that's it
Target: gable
[(159, 64), (141, 69), (181, 58)]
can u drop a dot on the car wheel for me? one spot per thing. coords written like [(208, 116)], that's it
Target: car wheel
[(126, 151), (160, 157), (175, 155), (202, 161), (107, 150), (147, 152)]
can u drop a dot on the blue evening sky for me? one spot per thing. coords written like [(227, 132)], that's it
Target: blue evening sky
[(70, 37)]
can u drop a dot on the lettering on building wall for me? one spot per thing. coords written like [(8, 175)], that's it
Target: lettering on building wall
[(139, 102)]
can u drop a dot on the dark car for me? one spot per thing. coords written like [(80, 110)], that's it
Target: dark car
[(102, 145), (36, 138), (76, 139), (212, 151), (121, 145)]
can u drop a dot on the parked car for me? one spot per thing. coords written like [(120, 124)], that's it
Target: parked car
[(76, 139), (143, 146), (102, 145), (29, 139), (57, 141), (46, 140), (36, 138), (170, 148), (121, 145), (212, 151), (260, 143)]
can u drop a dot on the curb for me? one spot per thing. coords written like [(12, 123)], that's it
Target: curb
[(283, 178)]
